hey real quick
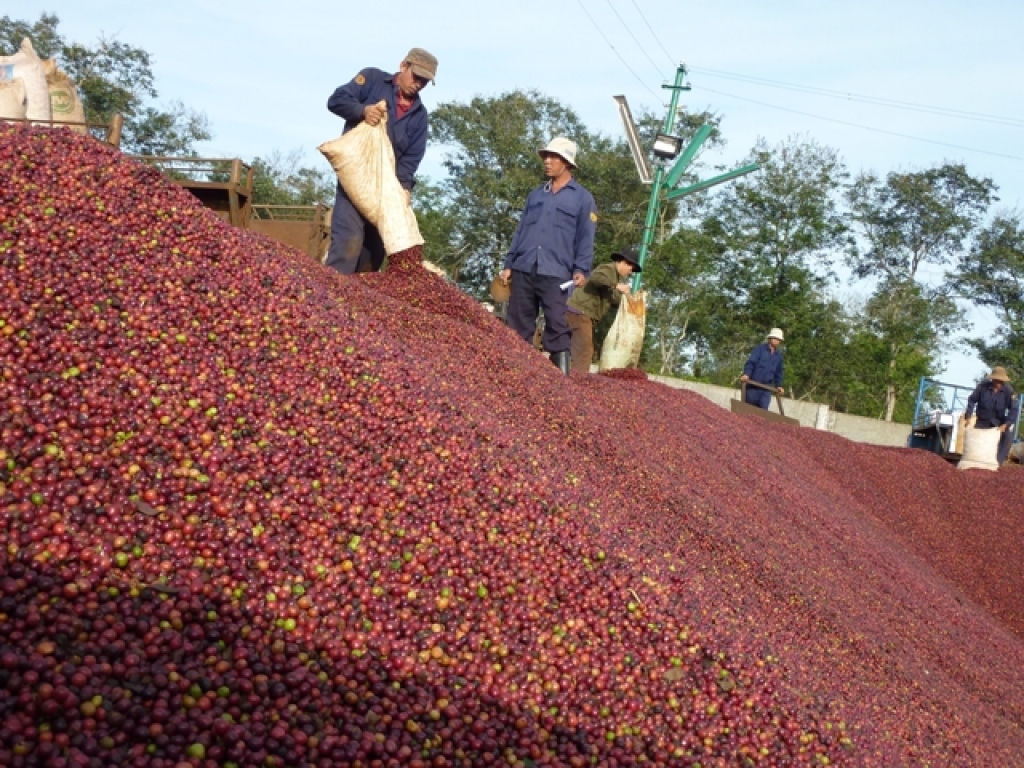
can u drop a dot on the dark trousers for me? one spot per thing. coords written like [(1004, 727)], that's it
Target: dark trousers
[(762, 398), (355, 243), (581, 348), (530, 292), (1005, 443)]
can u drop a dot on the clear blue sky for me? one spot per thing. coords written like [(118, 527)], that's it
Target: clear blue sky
[(262, 71)]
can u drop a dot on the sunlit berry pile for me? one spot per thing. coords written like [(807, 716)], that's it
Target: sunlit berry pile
[(253, 513)]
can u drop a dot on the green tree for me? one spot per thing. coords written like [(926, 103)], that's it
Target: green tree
[(913, 219), (776, 232), (280, 179), (114, 77), (991, 273)]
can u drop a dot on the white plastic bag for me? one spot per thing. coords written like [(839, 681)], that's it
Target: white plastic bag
[(980, 449), (12, 99), (29, 67), (364, 160), (625, 339)]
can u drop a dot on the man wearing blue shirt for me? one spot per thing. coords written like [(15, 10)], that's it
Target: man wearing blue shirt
[(764, 367), (553, 245), (355, 243)]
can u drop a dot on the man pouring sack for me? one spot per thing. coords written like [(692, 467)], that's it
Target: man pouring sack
[(356, 245)]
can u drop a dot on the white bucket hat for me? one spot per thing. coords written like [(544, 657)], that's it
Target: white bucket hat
[(776, 333), (562, 147)]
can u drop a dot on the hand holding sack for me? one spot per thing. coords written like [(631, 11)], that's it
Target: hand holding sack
[(364, 161), (625, 340)]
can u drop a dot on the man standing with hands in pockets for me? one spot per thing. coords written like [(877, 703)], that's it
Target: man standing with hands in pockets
[(553, 245)]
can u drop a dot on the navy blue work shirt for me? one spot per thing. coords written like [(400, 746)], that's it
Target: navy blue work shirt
[(408, 135), (764, 366), (993, 407), (556, 232)]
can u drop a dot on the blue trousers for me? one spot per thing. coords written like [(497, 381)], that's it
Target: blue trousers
[(762, 398), (530, 292), (355, 243)]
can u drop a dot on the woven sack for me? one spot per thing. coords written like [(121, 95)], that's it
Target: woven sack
[(625, 339), (29, 67), (980, 449), (12, 99), (364, 161), (65, 103)]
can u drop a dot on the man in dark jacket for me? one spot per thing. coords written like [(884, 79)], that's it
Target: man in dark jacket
[(589, 303), (764, 366), (552, 248), (355, 243), (991, 398)]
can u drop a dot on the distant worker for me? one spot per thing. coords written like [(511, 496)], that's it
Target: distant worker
[(589, 303), (356, 245), (992, 399), (764, 366), (553, 245), (1006, 439)]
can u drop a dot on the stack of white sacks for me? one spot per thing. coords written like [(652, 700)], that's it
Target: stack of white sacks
[(34, 89)]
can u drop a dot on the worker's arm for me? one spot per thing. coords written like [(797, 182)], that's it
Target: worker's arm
[(586, 228), (748, 368), (349, 101), (972, 402), (406, 165), (513, 249)]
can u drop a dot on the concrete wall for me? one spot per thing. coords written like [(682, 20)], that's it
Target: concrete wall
[(813, 415)]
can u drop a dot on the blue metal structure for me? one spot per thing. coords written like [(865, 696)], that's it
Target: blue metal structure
[(937, 415)]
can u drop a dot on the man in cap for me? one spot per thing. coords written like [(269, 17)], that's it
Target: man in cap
[(589, 303), (990, 403), (356, 245), (553, 245), (764, 366)]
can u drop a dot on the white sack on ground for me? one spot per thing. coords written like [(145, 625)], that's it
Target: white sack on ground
[(65, 103), (12, 99), (625, 339), (29, 67), (364, 160)]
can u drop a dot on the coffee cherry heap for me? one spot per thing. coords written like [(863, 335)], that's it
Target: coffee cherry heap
[(255, 513)]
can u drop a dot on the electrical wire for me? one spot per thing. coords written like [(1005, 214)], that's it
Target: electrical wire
[(630, 32), (865, 127), (654, 35), (616, 51), (856, 97)]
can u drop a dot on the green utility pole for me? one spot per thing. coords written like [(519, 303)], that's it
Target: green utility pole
[(663, 187)]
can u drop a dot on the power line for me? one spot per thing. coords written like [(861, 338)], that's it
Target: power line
[(616, 51), (630, 32), (654, 35), (845, 96), (865, 127)]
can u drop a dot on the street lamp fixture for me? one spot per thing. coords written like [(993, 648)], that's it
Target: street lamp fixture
[(667, 147)]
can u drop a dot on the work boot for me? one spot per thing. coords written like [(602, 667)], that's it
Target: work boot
[(561, 360)]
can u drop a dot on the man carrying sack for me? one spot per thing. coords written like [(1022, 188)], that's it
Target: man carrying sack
[(356, 244), (588, 304)]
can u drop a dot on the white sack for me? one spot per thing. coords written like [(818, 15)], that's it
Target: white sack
[(65, 103), (29, 67), (625, 339), (980, 449), (12, 99), (364, 160)]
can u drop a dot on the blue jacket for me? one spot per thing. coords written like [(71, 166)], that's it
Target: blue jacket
[(993, 407), (763, 366), (555, 233), (408, 135)]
